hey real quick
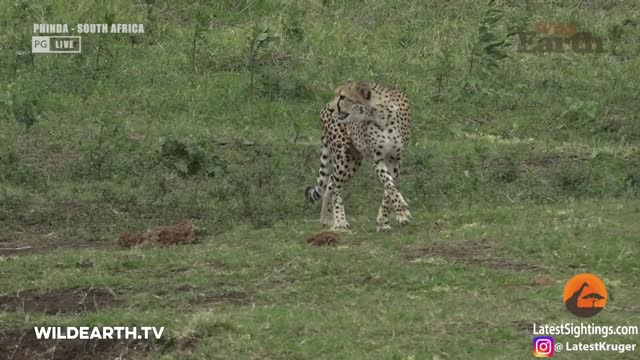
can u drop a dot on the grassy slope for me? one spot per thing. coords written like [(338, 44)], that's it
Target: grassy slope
[(504, 164)]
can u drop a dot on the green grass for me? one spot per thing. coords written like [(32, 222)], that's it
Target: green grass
[(528, 170)]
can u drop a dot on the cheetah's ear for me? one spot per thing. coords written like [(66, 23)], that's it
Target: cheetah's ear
[(363, 88)]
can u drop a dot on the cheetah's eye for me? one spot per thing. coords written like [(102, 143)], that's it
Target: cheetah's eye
[(341, 97)]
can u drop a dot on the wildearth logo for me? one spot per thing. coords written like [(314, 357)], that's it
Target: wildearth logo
[(559, 37), (585, 295)]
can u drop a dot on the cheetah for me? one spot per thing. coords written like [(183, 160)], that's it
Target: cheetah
[(364, 120)]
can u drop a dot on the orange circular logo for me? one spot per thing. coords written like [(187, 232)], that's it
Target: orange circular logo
[(585, 295)]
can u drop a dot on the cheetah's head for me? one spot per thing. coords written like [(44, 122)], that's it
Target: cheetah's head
[(349, 95)]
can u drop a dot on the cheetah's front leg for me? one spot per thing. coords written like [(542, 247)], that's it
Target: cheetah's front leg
[(403, 217), (392, 196), (345, 162), (339, 216), (382, 221)]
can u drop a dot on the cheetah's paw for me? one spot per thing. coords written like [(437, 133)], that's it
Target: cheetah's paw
[(340, 226), (403, 217)]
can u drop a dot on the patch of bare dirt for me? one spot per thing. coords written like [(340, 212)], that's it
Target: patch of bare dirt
[(542, 161), (448, 327), (542, 281), (467, 253), (506, 264), (326, 238), (523, 326), (233, 298), (37, 247), (59, 301), (453, 251), (16, 345), (180, 233)]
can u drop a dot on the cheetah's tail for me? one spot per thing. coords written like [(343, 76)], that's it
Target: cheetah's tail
[(315, 193)]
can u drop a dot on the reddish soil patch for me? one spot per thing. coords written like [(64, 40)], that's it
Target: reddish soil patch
[(326, 238), (468, 253), (128, 240), (16, 345), (180, 233), (58, 301)]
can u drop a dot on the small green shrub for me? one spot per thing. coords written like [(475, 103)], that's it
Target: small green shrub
[(291, 23), (580, 111), (492, 44), (505, 170), (190, 159), (260, 41), (570, 177), (277, 83)]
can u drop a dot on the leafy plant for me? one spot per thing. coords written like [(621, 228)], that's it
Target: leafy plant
[(621, 36), (201, 23), (492, 44), (581, 111), (151, 19), (190, 159), (260, 40), (100, 146), (292, 24), (279, 82), (570, 177), (443, 68), (25, 110), (109, 19)]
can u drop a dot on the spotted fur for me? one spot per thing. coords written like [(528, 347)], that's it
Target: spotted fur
[(364, 120)]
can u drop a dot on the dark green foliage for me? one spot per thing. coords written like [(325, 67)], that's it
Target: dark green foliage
[(191, 159), (200, 24), (492, 45), (13, 170), (505, 170), (279, 82), (260, 41), (292, 23), (621, 39), (580, 111), (570, 176), (100, 148), (25, 110)]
